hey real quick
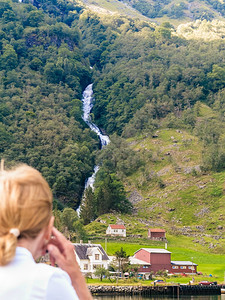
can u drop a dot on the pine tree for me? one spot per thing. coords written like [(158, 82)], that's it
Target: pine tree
[(123, 259), (88, 207), (110, 195)]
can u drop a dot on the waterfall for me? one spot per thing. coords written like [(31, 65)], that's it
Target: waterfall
[(87, 100)]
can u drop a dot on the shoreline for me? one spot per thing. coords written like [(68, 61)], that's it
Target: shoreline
[(167, 290)]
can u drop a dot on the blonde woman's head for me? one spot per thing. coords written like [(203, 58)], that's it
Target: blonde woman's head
[(25, 204)]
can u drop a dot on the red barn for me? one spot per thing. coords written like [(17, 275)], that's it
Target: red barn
[(156, 234), (159, 259), (145, 267)]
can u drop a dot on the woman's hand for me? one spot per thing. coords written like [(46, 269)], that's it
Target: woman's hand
[(62, 253)]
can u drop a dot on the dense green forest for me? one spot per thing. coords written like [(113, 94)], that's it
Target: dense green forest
[(198, 10), (43, 73), (145, 78), (146, 73), (176, 11)]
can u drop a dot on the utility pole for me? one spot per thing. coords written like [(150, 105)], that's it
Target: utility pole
[(106, 245)]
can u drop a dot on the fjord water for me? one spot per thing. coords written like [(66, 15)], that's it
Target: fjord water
[(222, 297)]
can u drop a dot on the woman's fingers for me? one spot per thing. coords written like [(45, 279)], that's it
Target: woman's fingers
[(55, 255), (62, 252), (59, 239), (58, 235), (52, 260), (61, 242)]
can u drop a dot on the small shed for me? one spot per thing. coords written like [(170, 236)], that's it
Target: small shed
[(116, 230), (157, 234)]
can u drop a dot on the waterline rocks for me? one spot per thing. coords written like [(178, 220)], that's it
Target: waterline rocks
[(174, 290)]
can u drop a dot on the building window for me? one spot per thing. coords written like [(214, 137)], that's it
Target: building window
[(191, 268), (145, 267), (174, 267), (96, 256), (183, 267), (85, 266), (95, 266)]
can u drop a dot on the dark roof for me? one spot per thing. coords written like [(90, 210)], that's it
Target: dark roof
[(81, 250)]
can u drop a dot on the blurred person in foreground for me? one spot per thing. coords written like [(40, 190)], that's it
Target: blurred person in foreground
[(26, 233)]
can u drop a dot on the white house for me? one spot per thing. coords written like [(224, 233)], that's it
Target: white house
[(90, 256), (115, 229)]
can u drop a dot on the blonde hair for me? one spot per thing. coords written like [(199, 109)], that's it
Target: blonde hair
[(25, 204)]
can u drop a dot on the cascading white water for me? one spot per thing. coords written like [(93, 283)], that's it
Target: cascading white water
[(88, 100)]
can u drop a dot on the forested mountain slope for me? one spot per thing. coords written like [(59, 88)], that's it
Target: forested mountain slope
[(43, 73), (175, 11), (142, 74), (164, 98), (189, 19), (161, 98), (171, 190)]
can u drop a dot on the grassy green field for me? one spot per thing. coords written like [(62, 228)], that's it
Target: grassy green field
[(208, 263), (166, 281)]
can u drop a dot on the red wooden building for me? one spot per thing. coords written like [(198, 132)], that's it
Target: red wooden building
[(153, 260), (145, 267), (156, 234), (159, 259)]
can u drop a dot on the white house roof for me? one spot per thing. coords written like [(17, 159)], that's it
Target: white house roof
[(154, 250), (83, 252), (93, 249), (136, 261), (182, 263)]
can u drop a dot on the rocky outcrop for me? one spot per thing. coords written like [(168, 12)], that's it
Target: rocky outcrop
[(135, 197)]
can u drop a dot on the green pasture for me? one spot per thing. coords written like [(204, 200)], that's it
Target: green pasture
[(167, 281), (208, 263)]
